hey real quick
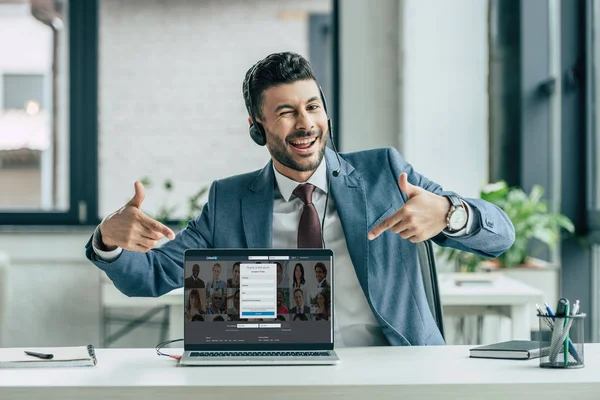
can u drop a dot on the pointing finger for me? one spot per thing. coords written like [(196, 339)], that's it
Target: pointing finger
[(157, 227), (385, 225)]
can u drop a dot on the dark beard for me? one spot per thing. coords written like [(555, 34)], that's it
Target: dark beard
[(278, 150)]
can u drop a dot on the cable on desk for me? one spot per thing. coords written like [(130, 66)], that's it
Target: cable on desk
[(163, 344)]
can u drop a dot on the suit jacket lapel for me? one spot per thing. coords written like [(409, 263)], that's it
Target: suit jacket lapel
[(348, 192), (257, 209)]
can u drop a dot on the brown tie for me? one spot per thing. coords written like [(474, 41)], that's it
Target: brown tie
[(309, 228)]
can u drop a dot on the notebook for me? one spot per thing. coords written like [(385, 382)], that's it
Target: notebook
[(78, 356), (513, 349)]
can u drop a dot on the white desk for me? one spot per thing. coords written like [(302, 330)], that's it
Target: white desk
[(443, 372), (112, 297), (504, 296)]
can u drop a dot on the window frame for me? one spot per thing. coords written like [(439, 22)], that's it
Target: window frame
[(83, 125), (552, 68)]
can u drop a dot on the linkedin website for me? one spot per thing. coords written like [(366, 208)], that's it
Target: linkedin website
[(257, 299)]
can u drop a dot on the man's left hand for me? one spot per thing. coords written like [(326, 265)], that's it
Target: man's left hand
[(422, 217)]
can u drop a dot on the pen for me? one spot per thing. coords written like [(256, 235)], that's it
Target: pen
[(572, 348), (575, 309), (39, 355), (550, 313), (555, 342), (540, 312)]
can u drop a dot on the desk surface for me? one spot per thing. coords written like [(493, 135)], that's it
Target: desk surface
[(501, 290), (390, 372)]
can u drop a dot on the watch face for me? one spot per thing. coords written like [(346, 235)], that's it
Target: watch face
[(458, 219)]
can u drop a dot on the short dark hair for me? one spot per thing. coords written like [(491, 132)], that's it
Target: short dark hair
[(234, 264), (322, 266), (275, 69)]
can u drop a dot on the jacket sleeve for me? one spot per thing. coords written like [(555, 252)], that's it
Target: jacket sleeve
[(158, 271), (495, 232)]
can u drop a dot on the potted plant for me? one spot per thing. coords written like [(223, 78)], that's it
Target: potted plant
[(531, 219), (165, 212)]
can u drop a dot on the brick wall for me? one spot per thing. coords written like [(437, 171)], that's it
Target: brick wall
[(170, 89)]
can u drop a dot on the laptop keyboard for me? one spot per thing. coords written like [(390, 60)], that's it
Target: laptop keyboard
[(259, 354)]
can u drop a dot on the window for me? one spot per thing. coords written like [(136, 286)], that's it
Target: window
[(31, 128), (48, 113), (168, 107)]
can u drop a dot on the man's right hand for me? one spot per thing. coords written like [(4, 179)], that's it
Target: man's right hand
[(131, 229)]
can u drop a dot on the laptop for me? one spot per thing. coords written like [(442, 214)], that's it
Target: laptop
[(258, 306)]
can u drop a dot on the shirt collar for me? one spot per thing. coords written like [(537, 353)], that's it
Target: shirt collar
[(286, 185)]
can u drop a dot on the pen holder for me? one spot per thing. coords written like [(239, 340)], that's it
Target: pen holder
[(561, 341)]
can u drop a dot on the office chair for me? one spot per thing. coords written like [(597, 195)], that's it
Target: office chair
[(428, 271)]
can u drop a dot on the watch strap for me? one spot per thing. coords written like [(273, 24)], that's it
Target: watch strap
[(454, 200)]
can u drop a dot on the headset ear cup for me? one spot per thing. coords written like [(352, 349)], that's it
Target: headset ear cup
[(257, 134)]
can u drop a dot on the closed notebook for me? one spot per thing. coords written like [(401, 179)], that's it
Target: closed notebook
[(78, 356), (513, 349)]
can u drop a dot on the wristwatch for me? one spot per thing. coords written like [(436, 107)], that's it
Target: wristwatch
[(457, 216)]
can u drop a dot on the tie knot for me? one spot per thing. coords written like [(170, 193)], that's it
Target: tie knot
[(304, 192)]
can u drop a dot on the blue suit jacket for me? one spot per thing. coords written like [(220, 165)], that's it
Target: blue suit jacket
[(239, 214)]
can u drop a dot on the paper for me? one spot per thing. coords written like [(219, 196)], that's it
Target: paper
[(63, 356)]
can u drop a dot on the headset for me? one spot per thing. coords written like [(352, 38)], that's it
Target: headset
[(259, 136), (257, 131)]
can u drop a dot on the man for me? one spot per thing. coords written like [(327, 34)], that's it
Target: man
[(379, 207), (234, 281), (234, 312), (194, 281), (320, 274), (216, 302), (299, 308)]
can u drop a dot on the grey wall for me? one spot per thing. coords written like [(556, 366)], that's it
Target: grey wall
[(370, 74)]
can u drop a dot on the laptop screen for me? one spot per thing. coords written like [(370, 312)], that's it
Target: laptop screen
[(258, 299)]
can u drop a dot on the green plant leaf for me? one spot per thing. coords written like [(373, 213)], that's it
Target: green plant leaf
[(494, 192), (564, 222), (536, 194), (546, 235), (146, 181), (530, 217)]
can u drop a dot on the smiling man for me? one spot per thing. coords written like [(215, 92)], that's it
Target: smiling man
[(373, 205)]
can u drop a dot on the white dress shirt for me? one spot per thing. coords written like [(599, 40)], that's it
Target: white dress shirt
[(354, 322)]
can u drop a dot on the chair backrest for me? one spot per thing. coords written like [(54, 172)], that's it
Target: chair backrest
[(430, 281)]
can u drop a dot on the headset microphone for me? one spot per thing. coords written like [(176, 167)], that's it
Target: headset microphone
[(336, 172)]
